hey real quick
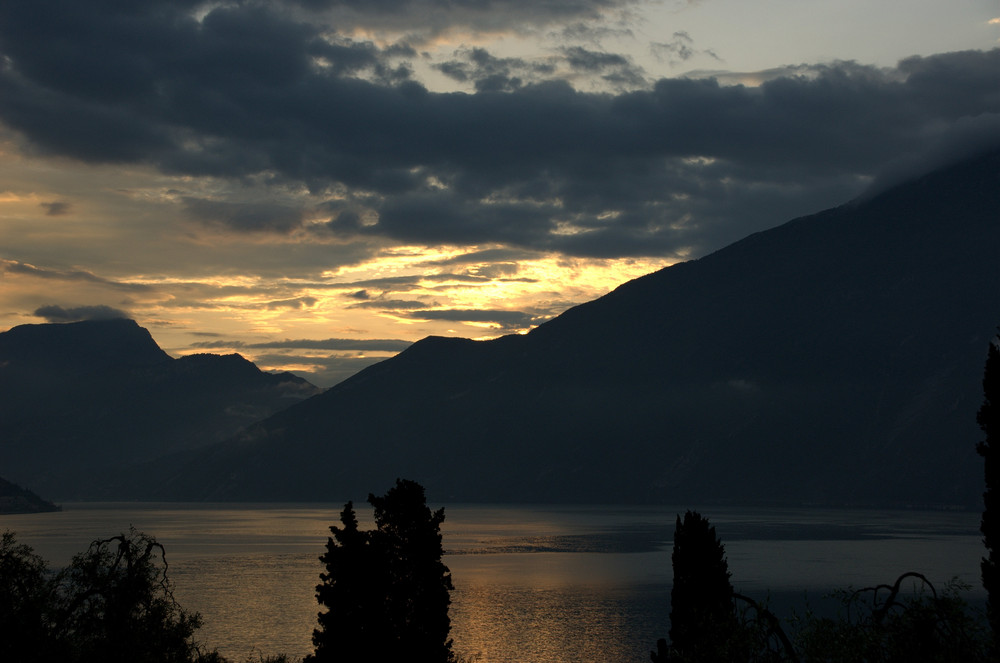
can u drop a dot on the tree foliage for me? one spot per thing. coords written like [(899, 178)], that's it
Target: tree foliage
[(891, 624), (702, 617), (386, 591), (113, 603), (27, 590)]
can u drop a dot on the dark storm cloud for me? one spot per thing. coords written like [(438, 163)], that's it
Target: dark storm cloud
[(672, 169), (581, 58), (493, 74), (54, 313), (613, 68), (437, 15)]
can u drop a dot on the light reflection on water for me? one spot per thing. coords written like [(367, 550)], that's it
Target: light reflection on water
[(539, 584)]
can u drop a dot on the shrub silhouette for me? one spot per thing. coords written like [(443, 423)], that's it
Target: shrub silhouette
[(386, 590), (888, 624), (113, 603)]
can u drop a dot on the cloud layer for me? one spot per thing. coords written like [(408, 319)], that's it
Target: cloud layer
[(270, 90), (344, 172)]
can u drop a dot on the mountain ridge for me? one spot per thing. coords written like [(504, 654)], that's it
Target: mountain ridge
[(86, 400), (833, 359)]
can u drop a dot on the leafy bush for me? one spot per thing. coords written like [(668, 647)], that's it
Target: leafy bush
[(113, 603)]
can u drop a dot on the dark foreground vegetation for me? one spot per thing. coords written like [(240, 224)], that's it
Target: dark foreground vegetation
[(384, 596)]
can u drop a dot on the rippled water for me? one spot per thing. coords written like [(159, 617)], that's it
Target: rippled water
[(536, 584)]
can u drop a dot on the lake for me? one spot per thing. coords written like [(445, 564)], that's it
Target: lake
[(542, 584)]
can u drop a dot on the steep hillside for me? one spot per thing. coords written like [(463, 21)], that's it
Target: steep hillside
[(834, 359), (83, 400), (15, 499)]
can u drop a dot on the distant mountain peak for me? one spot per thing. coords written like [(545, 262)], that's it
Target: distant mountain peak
[(83, 400), (118, 342)]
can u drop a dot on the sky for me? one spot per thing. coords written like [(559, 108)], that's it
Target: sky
[(316, 184)]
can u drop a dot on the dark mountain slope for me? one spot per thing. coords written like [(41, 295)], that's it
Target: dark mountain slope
[(834, 359), (83, 400), (14, 499)]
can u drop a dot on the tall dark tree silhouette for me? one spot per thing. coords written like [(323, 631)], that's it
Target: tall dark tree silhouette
[(702, 617), (988, 418), (352, 591), (386, 590)]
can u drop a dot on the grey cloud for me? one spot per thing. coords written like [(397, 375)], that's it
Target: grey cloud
[(410, 282), (434, 16), (57, 208), (679, 49), (332, 344), (17, 267), (613, 68), (493, 74), (54, 313), (669, 170), (247, 217), (391, 304), (296, 303), (503, 319), (217, 345), (496, 270), (582, 58), (591, 33), (486, 255)]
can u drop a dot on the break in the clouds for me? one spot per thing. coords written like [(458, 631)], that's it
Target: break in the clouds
[(271, 91), (507, 320)]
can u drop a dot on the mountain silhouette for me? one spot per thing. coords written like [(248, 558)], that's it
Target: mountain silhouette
[(835, 359), (85, 400), (15, 499)]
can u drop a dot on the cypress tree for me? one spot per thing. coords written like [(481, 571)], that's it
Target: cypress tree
[(352, 628), (386, 590), (702, 618), (418, 593)]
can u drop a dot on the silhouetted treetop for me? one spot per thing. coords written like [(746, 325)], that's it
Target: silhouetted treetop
[(386, 590)]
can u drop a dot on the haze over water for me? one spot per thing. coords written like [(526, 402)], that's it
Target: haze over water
[(533, 583)]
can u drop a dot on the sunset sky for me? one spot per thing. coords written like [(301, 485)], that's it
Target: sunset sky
[(317, 183)]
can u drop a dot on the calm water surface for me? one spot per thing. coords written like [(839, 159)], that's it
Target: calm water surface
[(537, 584)]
